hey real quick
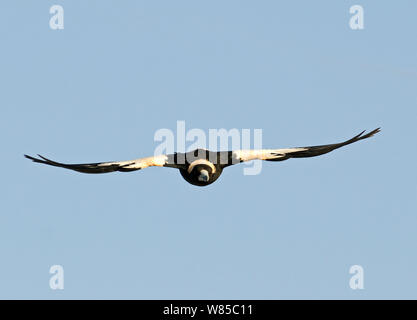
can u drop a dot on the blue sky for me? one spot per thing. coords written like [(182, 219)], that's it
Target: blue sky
[(99, 89)]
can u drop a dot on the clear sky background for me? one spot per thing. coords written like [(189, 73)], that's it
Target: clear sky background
[(99, 89)]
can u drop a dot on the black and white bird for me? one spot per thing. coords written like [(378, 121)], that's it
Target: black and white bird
[(202, 167)]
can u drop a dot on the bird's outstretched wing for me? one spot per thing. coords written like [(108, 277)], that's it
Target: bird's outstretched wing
[(103, 167), (300, 152)]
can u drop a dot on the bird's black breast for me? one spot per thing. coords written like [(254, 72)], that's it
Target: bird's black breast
[(191, 163)]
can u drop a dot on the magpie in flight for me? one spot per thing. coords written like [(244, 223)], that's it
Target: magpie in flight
[(202, 167)]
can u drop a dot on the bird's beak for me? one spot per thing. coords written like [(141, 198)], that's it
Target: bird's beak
[(204, 176)]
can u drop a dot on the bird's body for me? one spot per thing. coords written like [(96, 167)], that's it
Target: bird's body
[(202, 167), (199, 170)]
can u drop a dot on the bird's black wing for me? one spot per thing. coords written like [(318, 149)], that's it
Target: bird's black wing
[(104, 167), (284, 154)]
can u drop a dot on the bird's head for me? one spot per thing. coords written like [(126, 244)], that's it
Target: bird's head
[(204, 175), (202, 172)]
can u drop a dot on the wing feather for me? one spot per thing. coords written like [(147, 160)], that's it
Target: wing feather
[(299, 152), (104, 167)]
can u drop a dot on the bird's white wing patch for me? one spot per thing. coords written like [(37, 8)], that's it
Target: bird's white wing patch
[(263, 154), (157, 161)]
